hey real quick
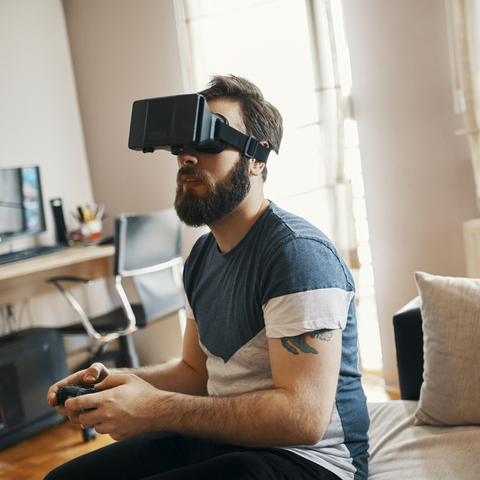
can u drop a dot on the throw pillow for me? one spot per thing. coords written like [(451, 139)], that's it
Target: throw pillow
[(450, 393)]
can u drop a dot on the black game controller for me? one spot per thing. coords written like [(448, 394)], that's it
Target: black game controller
[(72, 391)]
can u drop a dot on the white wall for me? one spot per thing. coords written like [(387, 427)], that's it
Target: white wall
[(40, 125), (39, 115), (123, 52), (418, 179)]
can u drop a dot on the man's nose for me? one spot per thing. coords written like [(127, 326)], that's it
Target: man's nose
[(187, 156)]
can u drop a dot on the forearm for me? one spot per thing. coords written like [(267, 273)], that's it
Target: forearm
[(187, 375), (296, 412), (269, 418), (172, 376)]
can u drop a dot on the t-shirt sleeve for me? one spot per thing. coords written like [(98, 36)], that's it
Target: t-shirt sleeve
[(306, 287)]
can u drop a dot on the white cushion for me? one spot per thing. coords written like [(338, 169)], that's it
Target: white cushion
[(450, 393)]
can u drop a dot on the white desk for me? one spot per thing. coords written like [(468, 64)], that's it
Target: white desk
[(24, 279)]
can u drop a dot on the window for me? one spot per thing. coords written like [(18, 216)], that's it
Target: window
[(297, 54)]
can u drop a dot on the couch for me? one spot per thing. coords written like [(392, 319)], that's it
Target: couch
[(433, 432)]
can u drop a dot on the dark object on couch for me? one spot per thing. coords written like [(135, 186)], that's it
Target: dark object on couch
[(408, 328)]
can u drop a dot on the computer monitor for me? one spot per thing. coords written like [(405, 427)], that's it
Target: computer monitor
[(21, 203)]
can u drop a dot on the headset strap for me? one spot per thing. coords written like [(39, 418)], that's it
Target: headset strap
[(247, 144)]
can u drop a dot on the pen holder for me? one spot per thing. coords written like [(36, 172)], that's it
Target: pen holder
[(94, 230), (87, 233)]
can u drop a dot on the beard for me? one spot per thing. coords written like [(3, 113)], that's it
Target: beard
[(221, 199)]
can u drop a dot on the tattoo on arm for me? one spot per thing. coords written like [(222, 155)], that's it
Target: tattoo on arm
[(300, 341)]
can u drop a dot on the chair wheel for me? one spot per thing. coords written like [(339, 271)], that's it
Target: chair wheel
[(89, 434)]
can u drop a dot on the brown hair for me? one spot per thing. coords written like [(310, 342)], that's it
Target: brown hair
[(261, 119)]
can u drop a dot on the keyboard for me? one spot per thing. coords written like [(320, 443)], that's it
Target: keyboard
[(30, 253)]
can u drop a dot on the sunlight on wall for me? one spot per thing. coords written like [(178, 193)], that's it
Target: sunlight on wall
[(368, 331)]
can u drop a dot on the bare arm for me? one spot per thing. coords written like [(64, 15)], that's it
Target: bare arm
[(183, 375), (186, 375), (295, 412)]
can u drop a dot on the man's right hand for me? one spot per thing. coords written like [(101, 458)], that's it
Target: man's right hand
[(84, 378)]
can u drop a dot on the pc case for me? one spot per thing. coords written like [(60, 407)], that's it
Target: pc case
[(31, 361)]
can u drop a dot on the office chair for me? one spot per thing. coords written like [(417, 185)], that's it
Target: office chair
[(148, 250)]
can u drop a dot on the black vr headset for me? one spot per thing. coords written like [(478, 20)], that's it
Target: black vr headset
[(171, 123)]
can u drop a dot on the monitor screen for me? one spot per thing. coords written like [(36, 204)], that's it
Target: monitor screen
[(21, 204)]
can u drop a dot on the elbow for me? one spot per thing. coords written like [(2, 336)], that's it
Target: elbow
[(305, 422), (311, 436), (308, 431), (315, 425)]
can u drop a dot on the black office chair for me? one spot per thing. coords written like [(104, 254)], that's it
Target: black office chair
[(147, 249)]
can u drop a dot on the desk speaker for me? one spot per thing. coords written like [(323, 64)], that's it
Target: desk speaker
[(59, 219)]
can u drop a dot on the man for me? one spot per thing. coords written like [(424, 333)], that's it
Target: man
[(268, 385)]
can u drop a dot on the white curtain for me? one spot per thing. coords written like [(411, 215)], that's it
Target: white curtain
[(296, 53), (332, 79), (293, 51), (464, 21)]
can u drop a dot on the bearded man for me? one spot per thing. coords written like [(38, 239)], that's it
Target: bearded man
[(268, 385)]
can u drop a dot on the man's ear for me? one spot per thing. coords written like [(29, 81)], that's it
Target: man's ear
[(256, 167)]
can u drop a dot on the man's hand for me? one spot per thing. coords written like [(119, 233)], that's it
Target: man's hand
[(84, 378), (123, 407)]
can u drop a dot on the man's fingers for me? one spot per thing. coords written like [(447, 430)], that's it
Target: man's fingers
[(114, 381), (74, 419), (95, 373), (52, 398), (87, 420), (53, 390)]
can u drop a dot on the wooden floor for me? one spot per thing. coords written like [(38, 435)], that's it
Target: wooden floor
[(35, 457)]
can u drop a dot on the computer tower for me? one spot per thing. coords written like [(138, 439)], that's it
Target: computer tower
[(30, 362)]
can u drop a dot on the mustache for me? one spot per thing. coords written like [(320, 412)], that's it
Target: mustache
[(191, 171)]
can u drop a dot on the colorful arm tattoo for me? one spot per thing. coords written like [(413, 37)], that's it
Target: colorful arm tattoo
[(300, 341)]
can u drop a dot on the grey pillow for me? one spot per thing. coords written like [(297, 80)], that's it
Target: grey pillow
[(450, 393)]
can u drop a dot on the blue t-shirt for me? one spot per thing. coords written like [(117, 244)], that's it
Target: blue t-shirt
[(283, 279)]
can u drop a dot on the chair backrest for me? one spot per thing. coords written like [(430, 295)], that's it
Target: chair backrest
[(408, 328), (146, 239), (148, 249)]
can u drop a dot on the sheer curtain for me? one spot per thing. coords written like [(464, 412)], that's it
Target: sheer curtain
[(464, 22), (290, 50), (297, 54)]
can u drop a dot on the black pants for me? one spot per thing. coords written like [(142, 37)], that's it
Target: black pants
[(164, 456)]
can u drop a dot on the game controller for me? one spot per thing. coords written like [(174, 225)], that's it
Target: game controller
[(72, 391)]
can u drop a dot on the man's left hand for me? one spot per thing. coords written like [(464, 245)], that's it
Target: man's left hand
[(123, 406)]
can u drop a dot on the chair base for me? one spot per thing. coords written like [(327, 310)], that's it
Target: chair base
[(112, 321), (125, 357)]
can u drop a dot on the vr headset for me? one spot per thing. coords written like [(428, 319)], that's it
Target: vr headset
[(172, 123)]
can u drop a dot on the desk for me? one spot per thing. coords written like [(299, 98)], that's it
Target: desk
[(24, 279)]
